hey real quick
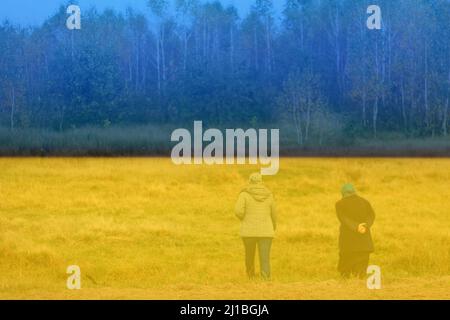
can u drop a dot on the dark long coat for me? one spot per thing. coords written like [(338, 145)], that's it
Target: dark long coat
[(351, 212)]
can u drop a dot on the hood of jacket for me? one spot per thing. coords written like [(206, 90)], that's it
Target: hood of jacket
[(258, 192)]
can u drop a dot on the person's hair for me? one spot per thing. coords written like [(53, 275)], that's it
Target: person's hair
[(255, 178)]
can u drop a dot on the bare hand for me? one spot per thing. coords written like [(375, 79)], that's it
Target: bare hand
[(362, 228)]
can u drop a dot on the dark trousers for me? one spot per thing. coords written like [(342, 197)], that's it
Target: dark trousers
[(353, 264), (264, 245)]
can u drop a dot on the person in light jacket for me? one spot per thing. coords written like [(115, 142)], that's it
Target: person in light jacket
[(255, 208)]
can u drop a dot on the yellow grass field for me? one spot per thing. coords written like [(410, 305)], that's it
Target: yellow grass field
[(147, 229)]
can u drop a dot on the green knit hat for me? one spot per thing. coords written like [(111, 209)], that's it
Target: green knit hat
[(348, 190)]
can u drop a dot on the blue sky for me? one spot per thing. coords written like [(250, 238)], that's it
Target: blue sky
[(34, 12)]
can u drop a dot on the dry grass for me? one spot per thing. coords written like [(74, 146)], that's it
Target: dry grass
[(146, 229)]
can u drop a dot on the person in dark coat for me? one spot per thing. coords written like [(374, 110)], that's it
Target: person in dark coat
[(355, 240)]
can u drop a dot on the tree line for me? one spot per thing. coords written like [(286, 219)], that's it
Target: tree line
[(315, 68)]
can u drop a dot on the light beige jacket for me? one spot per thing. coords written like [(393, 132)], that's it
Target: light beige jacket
[(255, 208)]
